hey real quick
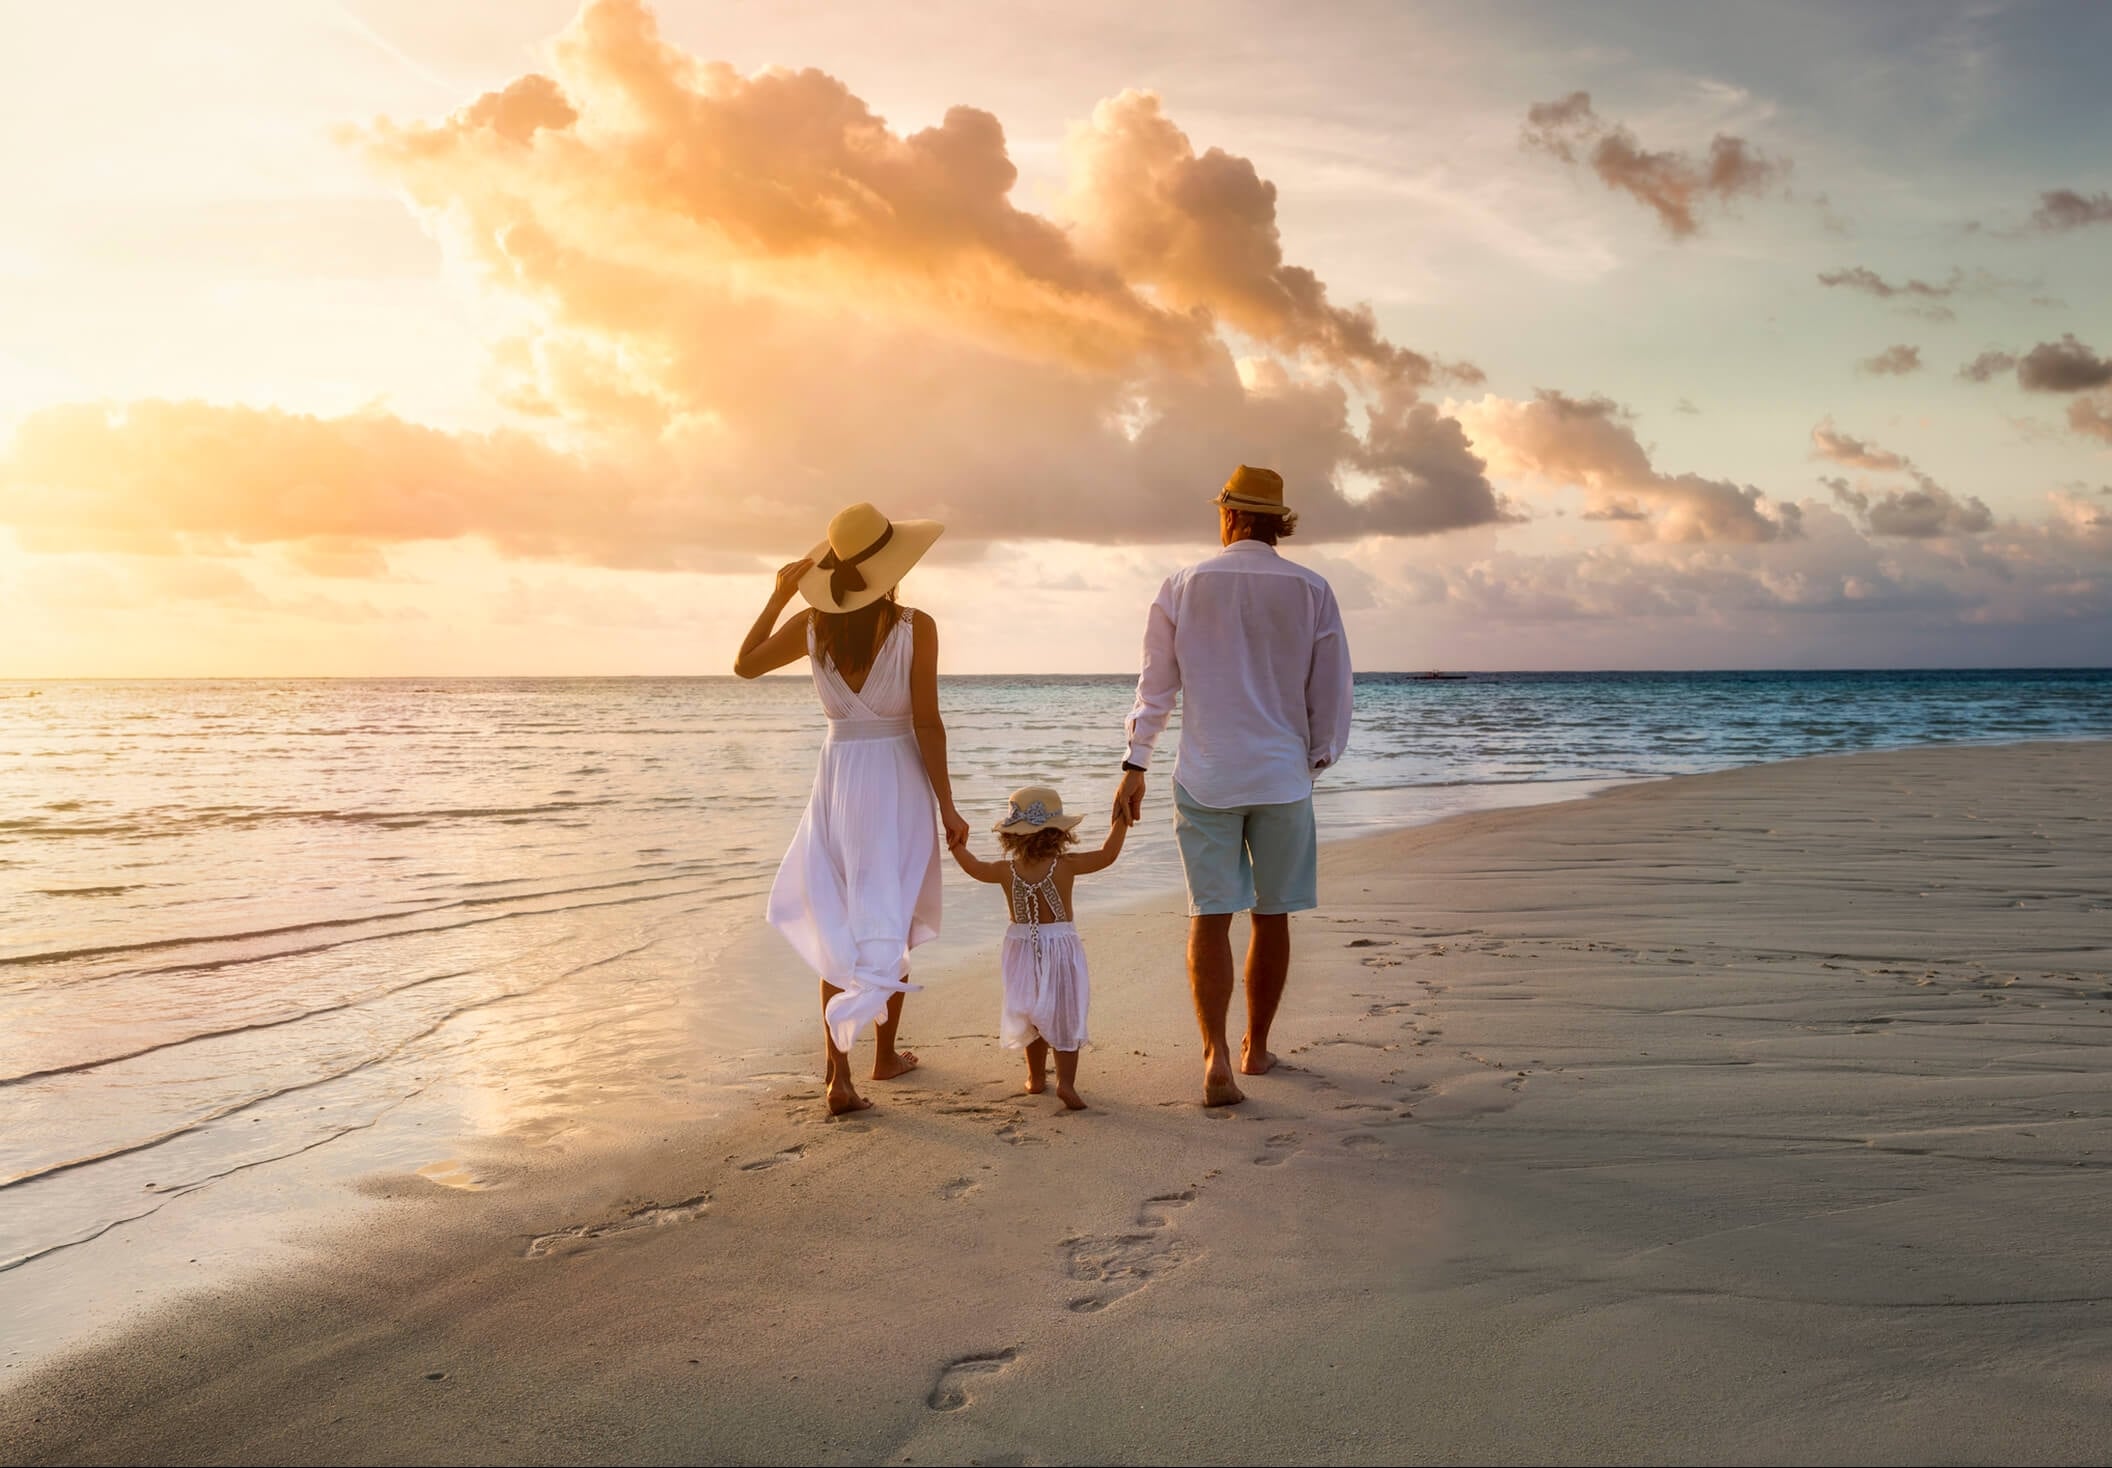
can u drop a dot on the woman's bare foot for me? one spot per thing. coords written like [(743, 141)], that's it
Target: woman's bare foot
[(888, 1065), (1071, 1099), (1218, 1090), (1252, 1063), (842, 1098)]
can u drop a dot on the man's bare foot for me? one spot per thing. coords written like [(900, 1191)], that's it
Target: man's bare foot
[(1219, 1091), (843, 1098), (900, 1063), (1036, 1084), (1071, 1099), (1251, 1064)]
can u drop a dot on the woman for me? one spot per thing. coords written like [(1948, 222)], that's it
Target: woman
[(859, 887)]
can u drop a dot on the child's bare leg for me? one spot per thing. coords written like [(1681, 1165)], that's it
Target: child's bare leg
[(889, 1062), (843, 1096), (1037, 1066), (1067, 1080)]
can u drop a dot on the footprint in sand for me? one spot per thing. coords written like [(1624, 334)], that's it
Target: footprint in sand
[(950, 1392), (960, 1187), (1116, 1266), (1013, 1134), (455, 1174), (646, 1215), (1362, 1142), (776, 1159), (1277, 1150)]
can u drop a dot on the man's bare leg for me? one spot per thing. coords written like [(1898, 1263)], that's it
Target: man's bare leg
[(1037, 1066), (1210, 980), (843, 1095), (1268, 970), (888, 1062), (1067, 1080)]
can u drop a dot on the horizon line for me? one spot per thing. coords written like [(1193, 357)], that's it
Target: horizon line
[(1444, 674)]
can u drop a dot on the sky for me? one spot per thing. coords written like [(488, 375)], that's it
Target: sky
[(391, 338)]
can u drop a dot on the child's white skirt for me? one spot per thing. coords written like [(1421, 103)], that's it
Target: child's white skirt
[(1044, 999)]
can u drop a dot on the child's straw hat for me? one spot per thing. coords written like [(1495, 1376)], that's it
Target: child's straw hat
[(1035, 808)]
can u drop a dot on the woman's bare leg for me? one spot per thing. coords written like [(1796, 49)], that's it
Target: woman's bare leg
[(889, 1062), (1037, 1066), (1067, 1080), (843, 1095)]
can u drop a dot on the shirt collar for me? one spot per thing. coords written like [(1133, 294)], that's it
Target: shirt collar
[(1250, 547)]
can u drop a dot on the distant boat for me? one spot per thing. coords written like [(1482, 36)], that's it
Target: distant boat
[(1431, 677)]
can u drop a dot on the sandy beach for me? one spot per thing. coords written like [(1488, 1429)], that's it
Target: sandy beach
[(1760, 1116)]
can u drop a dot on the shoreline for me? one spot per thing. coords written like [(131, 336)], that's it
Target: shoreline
[(1462, 977)]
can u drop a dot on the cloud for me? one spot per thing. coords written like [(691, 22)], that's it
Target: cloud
[(1922, 512), (1589, 443), (2061, 210), (2092, 417), (1893, 361), (744, 299), (1828, 442), (1672, 184), (2063, 366), (1918, 296), (1200, 232), (1987, 366)]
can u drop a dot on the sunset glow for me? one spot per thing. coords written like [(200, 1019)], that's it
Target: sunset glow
[(380, 338)]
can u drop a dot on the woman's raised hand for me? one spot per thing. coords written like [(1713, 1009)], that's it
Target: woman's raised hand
[(789, 577)]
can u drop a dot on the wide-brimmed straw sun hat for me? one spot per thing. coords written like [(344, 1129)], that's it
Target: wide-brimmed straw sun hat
[(1035, 808), (1257, 491), (864, 556)]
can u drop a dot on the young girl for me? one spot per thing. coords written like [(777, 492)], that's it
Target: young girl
[(1044, 963)]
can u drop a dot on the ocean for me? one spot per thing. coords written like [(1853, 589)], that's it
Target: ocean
[(260, 936)]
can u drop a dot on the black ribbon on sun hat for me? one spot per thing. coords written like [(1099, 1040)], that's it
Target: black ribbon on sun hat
[(844, 575)]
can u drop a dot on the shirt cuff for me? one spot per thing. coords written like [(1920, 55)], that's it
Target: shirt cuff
[(1137, 754)]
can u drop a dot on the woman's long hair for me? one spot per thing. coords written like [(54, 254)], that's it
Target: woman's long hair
[(851, 640)]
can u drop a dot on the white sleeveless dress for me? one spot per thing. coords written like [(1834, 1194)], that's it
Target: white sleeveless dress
[(1046, 987), (859, 886)]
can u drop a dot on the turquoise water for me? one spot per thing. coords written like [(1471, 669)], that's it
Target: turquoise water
[(243, 923)]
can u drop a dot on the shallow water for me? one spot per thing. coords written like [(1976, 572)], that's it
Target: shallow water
[(252, 926)]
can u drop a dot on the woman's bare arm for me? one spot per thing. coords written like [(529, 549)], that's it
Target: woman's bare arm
[(1094, 861), (931, 729), (763, 651)]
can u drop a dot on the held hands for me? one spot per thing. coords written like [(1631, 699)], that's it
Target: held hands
[(956, 827), (1129, 798), (789, 577)]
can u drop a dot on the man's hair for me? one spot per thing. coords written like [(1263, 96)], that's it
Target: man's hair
[(1037, 845), (1268, 529)]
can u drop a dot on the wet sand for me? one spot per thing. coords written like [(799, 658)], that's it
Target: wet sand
[(1759, 1116)]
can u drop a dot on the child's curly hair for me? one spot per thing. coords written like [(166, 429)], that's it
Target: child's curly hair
[(1042, 845)]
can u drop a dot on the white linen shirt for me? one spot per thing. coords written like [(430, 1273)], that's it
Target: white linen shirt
[(1252, 645)]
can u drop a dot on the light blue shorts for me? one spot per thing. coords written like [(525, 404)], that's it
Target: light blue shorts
[(1260, 857)]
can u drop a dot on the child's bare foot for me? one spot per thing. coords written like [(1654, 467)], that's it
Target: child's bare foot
[(889, 1064), (1070, 1098), (1036, 1083), (842, 1098)]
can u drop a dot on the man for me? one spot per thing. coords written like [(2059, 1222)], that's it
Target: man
[(1252, 646)]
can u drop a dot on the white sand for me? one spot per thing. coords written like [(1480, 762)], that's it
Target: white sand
[(1753, 1117)]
